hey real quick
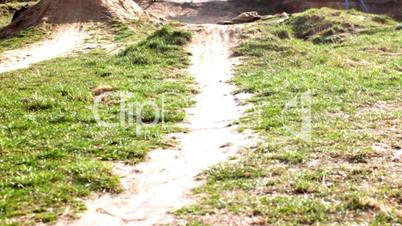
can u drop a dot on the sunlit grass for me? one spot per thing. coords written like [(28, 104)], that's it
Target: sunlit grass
[(52, 149), (350, 64)]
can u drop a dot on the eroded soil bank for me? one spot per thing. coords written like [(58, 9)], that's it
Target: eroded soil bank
[(207, 11)]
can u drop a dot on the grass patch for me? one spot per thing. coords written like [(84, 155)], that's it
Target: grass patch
[(129, 31), (348, 68), (327, 26), (7, 10), (52, 149), (24, 37)]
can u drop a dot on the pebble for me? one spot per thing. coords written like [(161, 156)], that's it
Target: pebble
[(397, 156)]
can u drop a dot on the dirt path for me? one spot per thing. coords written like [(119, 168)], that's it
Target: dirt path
[(67, 38), (204, 11), (161, 184)]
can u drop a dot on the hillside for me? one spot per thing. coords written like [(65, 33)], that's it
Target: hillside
[(326, 88), (115, 112)]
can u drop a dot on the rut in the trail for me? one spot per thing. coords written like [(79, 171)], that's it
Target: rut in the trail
[(67, 38), (161, 184)]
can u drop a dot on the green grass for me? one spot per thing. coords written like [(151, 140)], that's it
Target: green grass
[(5, 18), (351, 65), (7, 10), (22, 38), (52, 150), (122, 33), (25, 37)]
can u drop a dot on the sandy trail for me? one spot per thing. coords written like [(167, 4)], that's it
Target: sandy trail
[(67, 38), (162, 184), (204, 11)]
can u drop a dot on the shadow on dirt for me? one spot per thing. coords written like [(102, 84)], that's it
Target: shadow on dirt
[(211, 12)]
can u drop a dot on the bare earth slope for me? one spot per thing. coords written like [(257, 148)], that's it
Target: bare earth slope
[(160, 185), (66, 38), (66, 11), (155, 188), (69, 18)]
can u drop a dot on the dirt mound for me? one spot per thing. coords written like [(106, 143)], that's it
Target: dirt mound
[(391, 8), (330, 26), (319, 28), (72, 11), (245, 17), (206, 11)]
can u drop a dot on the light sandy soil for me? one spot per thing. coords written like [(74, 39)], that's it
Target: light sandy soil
[(70, 17), (157, 187), (204, 11), (162, 184), (66, 38)]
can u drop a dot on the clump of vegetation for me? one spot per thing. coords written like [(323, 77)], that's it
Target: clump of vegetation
[(166, 42), (8, 9), (129, 31), (25, 37), (354, 92), (329, 26), (22, 38), (52, 149)]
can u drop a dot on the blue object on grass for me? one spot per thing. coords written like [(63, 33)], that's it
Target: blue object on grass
[(362, 5)]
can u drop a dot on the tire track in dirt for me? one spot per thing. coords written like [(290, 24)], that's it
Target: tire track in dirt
[(161, 184), (67, 38)]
